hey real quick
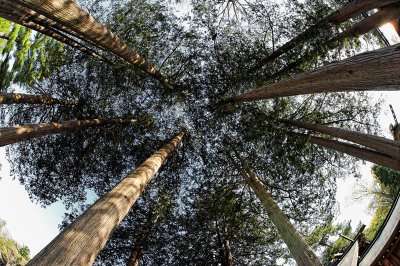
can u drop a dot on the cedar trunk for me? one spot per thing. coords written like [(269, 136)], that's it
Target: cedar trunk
[(10, 135), (375, 70), (81, 241), (68, 14), (21, 98), (356, 151), (301, 252), (380, 144), (348, 11)]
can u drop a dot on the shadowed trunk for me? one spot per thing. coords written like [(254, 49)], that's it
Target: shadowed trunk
[(81, 241), (68, 14), (385, 15), (348, 11), (299, 249), (22, 98), (375, 70), (356, 151), (14, 134), (380, 144)]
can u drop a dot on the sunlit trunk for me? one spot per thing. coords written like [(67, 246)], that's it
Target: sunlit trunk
[(375, 70), (81, 241), (22, 98), (14, 134)]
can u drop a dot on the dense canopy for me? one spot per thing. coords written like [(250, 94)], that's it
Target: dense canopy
[(198, 206)]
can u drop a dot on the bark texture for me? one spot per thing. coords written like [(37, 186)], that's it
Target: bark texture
[(82, 240), (68, 14), (348, 11), (385, 15), (356, 151), (22, 98), (380, 144), (10, 135), (301, 252), (375, 70)]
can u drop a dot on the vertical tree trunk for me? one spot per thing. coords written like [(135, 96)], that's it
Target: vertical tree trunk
[(359, 152), (348, 11), (22, 98), (380, 144), (10, 135), (67, 13), (227, 246), (376, 70), (82, 240), (136, 255), (301, 252)]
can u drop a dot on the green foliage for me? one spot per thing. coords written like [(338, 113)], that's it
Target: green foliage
[(11, 253)]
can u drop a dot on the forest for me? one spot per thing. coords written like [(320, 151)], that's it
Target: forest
[(211, 132)]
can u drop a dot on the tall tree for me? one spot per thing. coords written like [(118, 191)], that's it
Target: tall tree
[(380, 144), (23, 98), (10, 135), (367, 71), (298, 247), (67, 13), (98, 224)]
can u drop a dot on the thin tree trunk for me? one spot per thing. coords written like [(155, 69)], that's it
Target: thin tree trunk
[(136, 255), (82, 240), (10, 135), (15, 14), (348, 11), (356, 151), (385, 15), (67, 13), (301, 252), (227, 246), (22, 98), (375, 70), (3, 36), (380, 144)]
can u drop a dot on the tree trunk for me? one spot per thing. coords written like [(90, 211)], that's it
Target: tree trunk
[(301, 252), (81, 241), (10, 135), (356, 151), (3, 36), (12, 16), (136, 255), (67, 13), (348, 11), (380, 144), (227, 247), (375, 70), (385, 15), (21, 98)]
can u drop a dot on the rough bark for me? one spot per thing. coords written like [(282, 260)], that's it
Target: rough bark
[(82, 240), (348, 11), (227, 247), (385, 15), (10, 135), (301, 252), (356, 151), (68, 14), (380, 144), (16, 14), (136, 255), (375, 70), (22, 98)]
